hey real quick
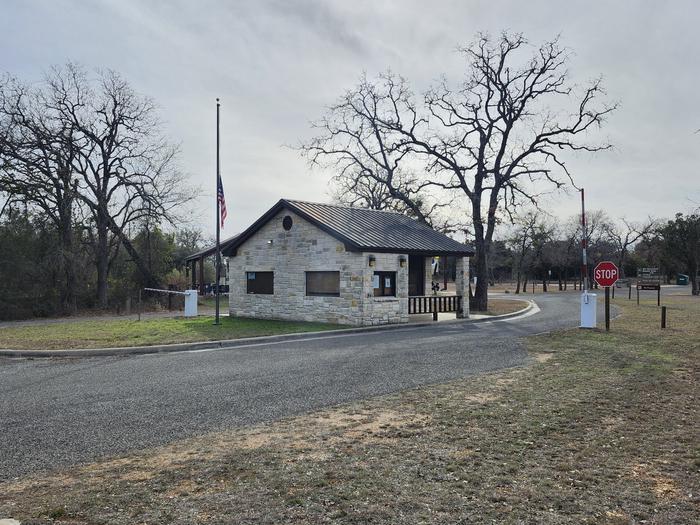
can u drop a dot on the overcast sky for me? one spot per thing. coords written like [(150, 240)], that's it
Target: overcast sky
[(277, 64)]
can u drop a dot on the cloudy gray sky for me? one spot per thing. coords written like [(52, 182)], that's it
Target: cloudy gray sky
[(277, 64)]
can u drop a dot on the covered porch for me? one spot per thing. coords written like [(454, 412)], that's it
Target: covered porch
[(195, 264), (438, 286)]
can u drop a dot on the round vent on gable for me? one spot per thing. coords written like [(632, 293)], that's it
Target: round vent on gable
[(287, 223)]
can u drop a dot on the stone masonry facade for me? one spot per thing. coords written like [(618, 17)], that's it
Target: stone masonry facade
[(305, 247)]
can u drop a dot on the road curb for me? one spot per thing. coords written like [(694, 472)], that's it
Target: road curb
[(233, 343)]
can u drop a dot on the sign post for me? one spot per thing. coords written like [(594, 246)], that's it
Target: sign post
[(606, 275)]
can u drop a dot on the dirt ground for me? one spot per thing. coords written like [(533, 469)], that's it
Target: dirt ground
[(599, 428)]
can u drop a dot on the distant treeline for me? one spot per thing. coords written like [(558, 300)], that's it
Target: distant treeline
[(543, 249), (32, 284)]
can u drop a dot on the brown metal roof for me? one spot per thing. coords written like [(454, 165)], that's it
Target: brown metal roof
[(362, 229)]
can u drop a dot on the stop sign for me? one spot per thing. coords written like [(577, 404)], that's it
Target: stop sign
[(606, 273)]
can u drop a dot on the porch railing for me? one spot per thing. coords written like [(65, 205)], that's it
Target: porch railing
[(434, 304)]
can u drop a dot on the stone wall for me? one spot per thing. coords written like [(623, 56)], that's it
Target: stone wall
[(289, 254), (385, 310), (462, 284)]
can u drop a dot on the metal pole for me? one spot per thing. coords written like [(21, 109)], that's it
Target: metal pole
[(218, 212), (607, 308)]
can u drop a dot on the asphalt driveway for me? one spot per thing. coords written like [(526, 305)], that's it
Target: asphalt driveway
[(59, 412)]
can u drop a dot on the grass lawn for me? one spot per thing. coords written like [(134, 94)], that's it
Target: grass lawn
[(115, 333), (503, 306), (602, 428)]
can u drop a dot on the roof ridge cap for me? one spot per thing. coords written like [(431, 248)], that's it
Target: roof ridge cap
[(344, 206)]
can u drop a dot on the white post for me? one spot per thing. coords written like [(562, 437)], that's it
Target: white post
[(588, 310), (190, 303)]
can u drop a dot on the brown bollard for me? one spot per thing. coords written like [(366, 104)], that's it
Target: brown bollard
[(663, 317)]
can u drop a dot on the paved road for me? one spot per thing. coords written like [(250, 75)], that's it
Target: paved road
[(55, 413)]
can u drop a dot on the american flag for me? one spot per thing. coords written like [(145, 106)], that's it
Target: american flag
[(222, 200)]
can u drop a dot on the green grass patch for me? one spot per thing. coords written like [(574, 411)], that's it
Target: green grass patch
[(117, 333)]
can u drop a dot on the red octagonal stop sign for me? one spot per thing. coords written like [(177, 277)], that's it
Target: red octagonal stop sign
[(606, 273)]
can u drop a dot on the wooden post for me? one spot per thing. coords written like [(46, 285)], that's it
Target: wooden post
[(139, 304), (658, 296), (629, 286), (663, 317), (637, 295), (201, 275)]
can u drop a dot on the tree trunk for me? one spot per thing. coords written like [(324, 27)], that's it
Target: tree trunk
[(480, 301), (517, 282), (69, 302), (149, 279), (102, 259)]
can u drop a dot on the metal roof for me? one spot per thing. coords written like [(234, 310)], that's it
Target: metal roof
[(362, 229), (207, 252)]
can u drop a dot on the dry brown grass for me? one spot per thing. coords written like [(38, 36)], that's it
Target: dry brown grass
[(498, 306)]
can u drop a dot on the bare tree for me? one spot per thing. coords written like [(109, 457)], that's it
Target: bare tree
[(374, 165), (125, 167), (91, 149), (625, 235), (36, 152), (491, 141), (531, 236)]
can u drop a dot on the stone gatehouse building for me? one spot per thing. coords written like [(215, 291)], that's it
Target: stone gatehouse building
[(320, 262)]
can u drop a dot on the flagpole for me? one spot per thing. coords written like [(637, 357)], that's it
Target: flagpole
[(218, 213)]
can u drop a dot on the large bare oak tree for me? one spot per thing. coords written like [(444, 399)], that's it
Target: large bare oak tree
[(96, 145), (489, 143)]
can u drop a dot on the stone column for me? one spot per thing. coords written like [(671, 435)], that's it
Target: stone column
[(428, 276), (462, 284)]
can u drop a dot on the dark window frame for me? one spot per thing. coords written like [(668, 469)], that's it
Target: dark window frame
[(321, 294), (382, 290), (255, 292)]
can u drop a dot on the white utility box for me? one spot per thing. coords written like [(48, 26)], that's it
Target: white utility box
[(588, 310), (191, 303)]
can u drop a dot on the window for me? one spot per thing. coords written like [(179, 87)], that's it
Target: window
[(384, 284), (323, 283), (260, 282), (287, 223)]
